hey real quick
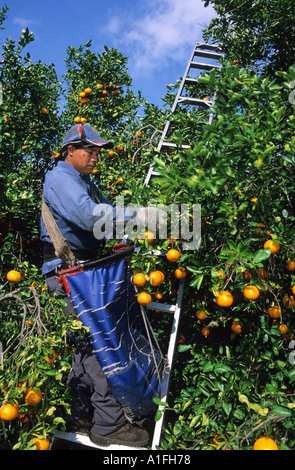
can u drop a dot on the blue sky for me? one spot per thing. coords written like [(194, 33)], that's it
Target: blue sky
[(156, 35)]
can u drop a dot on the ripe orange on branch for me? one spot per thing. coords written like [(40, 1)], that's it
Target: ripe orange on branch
[(265, 443), (139, 279), (290, 264), (273, 246), (201, 315), (51, 358), (283, 329), (14, 276), (144, 298), (224, 299), (8, 412), (205, 331), (41, 444), (251, 292), (274, 312), (31, 397), (149, 235), (156, 278), (237, 327), (173, 255), (180, 273)]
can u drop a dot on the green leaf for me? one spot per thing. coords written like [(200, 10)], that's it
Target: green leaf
[(261, 255), (281, 411), (222, 369)]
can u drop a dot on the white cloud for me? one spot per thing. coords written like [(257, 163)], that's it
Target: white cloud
[(162, 31), (24, 22)]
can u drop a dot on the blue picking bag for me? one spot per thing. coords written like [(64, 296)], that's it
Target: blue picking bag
[(104, 300)]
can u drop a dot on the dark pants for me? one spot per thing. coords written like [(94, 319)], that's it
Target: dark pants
[(91, 395)]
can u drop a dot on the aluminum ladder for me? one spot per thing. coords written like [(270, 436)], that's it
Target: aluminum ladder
[(204, 58)]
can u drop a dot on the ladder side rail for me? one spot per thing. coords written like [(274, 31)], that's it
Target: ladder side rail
[(170, 356), (178, 94)]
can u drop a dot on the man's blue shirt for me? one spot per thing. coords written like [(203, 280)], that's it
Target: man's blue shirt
[(71, 201)]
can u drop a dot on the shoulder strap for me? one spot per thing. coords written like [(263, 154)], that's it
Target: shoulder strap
[(61, 246)]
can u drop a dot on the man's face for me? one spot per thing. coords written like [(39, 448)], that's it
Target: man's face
[(83, 160)]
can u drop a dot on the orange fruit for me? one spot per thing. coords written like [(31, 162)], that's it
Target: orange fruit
[(273, 246), (42, 444), (31, 397), (201, 315), (274, 312), (182, 339), (149, 235), (262, 273), (290, 264), (156, 278), (14, 276), (221, 274), (158, 295), (77, 119), (144, 298), (247, 275), (44, 111), (251, 292), (8, 412), (139, 279), (283, 329), (288, 301), (173, 255), (218, 442), (88, 90), (265, 443), (82, 94), (120, 148), (224, 299), (102, 100), (95, 171), (111, 153), (104, 92), (180, 273), (293, 289), (51, 358), (205, 331), (236, 327), (84, 100)]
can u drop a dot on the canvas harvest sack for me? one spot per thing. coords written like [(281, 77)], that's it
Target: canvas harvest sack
[(104, 300)]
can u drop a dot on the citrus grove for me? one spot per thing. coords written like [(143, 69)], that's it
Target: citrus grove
[(232, 383)]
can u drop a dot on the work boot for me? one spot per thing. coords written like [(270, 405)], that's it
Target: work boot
[(128, 435), (79, 426)]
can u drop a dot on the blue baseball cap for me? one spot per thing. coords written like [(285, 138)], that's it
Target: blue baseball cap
[(84, 137)]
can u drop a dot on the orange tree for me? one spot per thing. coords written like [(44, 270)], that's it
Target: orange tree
[(239, 373), (35, 354)]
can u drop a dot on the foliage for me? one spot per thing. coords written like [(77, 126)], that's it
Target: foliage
[(254, 32), (227, 388)]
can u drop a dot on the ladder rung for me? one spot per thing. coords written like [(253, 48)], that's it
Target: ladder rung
[(173, 145), (192, 80), (201, 66), (208, 55), (161, 307), (197, 101), (210, 47)]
